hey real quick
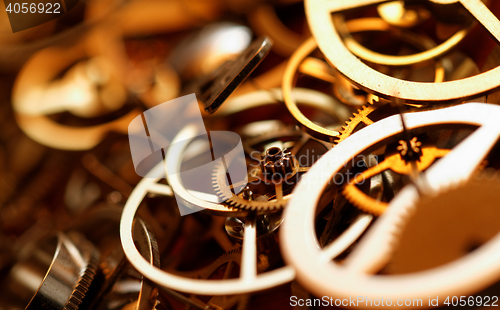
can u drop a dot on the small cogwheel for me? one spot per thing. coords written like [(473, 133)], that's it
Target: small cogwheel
[(271, 176)]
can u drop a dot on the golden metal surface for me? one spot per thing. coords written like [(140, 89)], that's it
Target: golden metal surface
[(395, 163), (331, 44), (326, 205)]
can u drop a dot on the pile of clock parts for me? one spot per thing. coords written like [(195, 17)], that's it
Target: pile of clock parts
[(250, 154)]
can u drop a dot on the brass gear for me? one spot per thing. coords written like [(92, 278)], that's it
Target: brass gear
[(277, 197), (395, 163), (226, 195), (361, 116)]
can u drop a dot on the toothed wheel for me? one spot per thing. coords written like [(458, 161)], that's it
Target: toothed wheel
[(388, 173), (350, 125), (266, 192), (396, 164), (368, 114), (359, 272)]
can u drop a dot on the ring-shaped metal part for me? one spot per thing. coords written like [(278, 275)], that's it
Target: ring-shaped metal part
[(288, 80), (319, 16), (293, 64), (38, 126), (174, 156), (245, 284), (323, 277), (377, 24), (66, 265)]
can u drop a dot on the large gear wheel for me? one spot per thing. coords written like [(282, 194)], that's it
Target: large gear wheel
[(395, 163), (267, 193), (328, 31), (358, 275), (186, 283)]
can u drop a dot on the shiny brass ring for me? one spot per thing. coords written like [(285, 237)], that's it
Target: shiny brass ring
[(377, 24), (288, 80), (319, 16)]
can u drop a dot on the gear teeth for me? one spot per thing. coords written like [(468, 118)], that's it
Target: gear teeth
[(83, 285), (230, 200), (216, 184), (354, 202), (370, 207), (234, 201), (353, 121)]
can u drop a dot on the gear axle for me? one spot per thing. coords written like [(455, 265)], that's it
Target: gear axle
[(277, 163)]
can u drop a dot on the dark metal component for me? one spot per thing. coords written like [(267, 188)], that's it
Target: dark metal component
[(277, 163), (267, 227), (56, 272), (214, 89)]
